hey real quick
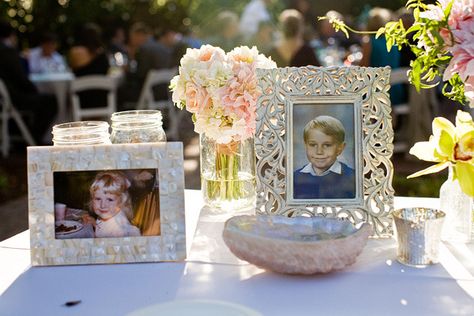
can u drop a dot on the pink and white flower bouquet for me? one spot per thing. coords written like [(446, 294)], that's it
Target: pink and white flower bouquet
[(221, 92)]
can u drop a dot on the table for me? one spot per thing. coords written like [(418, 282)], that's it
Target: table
[(57, 84), (375, 285)]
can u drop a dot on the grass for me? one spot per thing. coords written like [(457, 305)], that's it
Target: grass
[(426, 186)]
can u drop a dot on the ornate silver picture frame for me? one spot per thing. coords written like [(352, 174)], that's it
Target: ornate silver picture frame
[(106, 203), (357, 98)]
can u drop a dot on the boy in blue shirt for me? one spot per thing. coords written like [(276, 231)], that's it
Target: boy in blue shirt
[(324, 177)]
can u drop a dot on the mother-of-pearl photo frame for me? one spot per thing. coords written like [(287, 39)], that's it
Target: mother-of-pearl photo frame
[(365, 92), (158, 163)]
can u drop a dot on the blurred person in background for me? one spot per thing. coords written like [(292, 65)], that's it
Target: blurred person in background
[(226, 35), (332, 47), (406, 55), (374, 50), (145, 53), (254, 12), (191, 38), (152, 53), (291, 49), (309, 16), (173, 42), (88, 57), (115, 47), (45, 58), (115, 38), (264, 38), (23, 93)]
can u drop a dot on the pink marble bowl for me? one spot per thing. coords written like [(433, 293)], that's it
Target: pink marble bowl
[(299, 245)]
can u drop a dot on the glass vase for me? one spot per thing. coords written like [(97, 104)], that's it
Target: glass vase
[(458, 208), (228, 174)]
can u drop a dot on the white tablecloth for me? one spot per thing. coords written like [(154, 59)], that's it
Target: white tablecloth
[(375, 285)]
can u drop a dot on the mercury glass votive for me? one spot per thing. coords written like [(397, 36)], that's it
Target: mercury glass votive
[(418, 235), (137, 126), (81, 133)]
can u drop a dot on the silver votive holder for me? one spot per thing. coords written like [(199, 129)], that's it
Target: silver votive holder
[(418, 235)]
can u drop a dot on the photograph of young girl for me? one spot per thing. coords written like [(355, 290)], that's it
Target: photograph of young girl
[(112, 205), (116, 203), (324, 153)]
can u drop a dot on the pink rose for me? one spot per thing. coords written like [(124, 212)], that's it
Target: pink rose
[(211, 54), (239, 95), (197, 98)]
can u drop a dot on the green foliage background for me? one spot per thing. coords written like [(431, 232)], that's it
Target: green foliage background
[(64, 16)]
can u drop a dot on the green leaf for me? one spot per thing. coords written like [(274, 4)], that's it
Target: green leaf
[(380, 31), (389, 44), (433, 169), (428, 86), (416, 14), (447, 10), (413, 28), (465, 175), (181, 105), (344, 30), (438, 38), (415, 74)]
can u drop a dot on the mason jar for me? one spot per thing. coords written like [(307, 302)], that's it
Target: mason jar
[(81, 133), (137, 126)]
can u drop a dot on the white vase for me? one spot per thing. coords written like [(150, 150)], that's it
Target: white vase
[(458, 208)]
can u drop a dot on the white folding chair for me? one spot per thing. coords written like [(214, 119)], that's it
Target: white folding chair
[(147, 98), (9, 111), (93, 82)]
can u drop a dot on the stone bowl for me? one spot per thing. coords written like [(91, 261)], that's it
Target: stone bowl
[(299, 245)]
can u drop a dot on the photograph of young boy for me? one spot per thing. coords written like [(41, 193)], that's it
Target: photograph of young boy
[(324, 176)]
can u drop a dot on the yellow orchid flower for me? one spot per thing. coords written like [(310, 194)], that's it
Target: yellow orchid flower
[(450, 145)]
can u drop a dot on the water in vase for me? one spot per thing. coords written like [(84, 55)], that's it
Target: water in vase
[(229, 194)]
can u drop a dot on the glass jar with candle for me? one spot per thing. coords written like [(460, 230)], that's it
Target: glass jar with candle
[(137, 126), (81, 133)]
